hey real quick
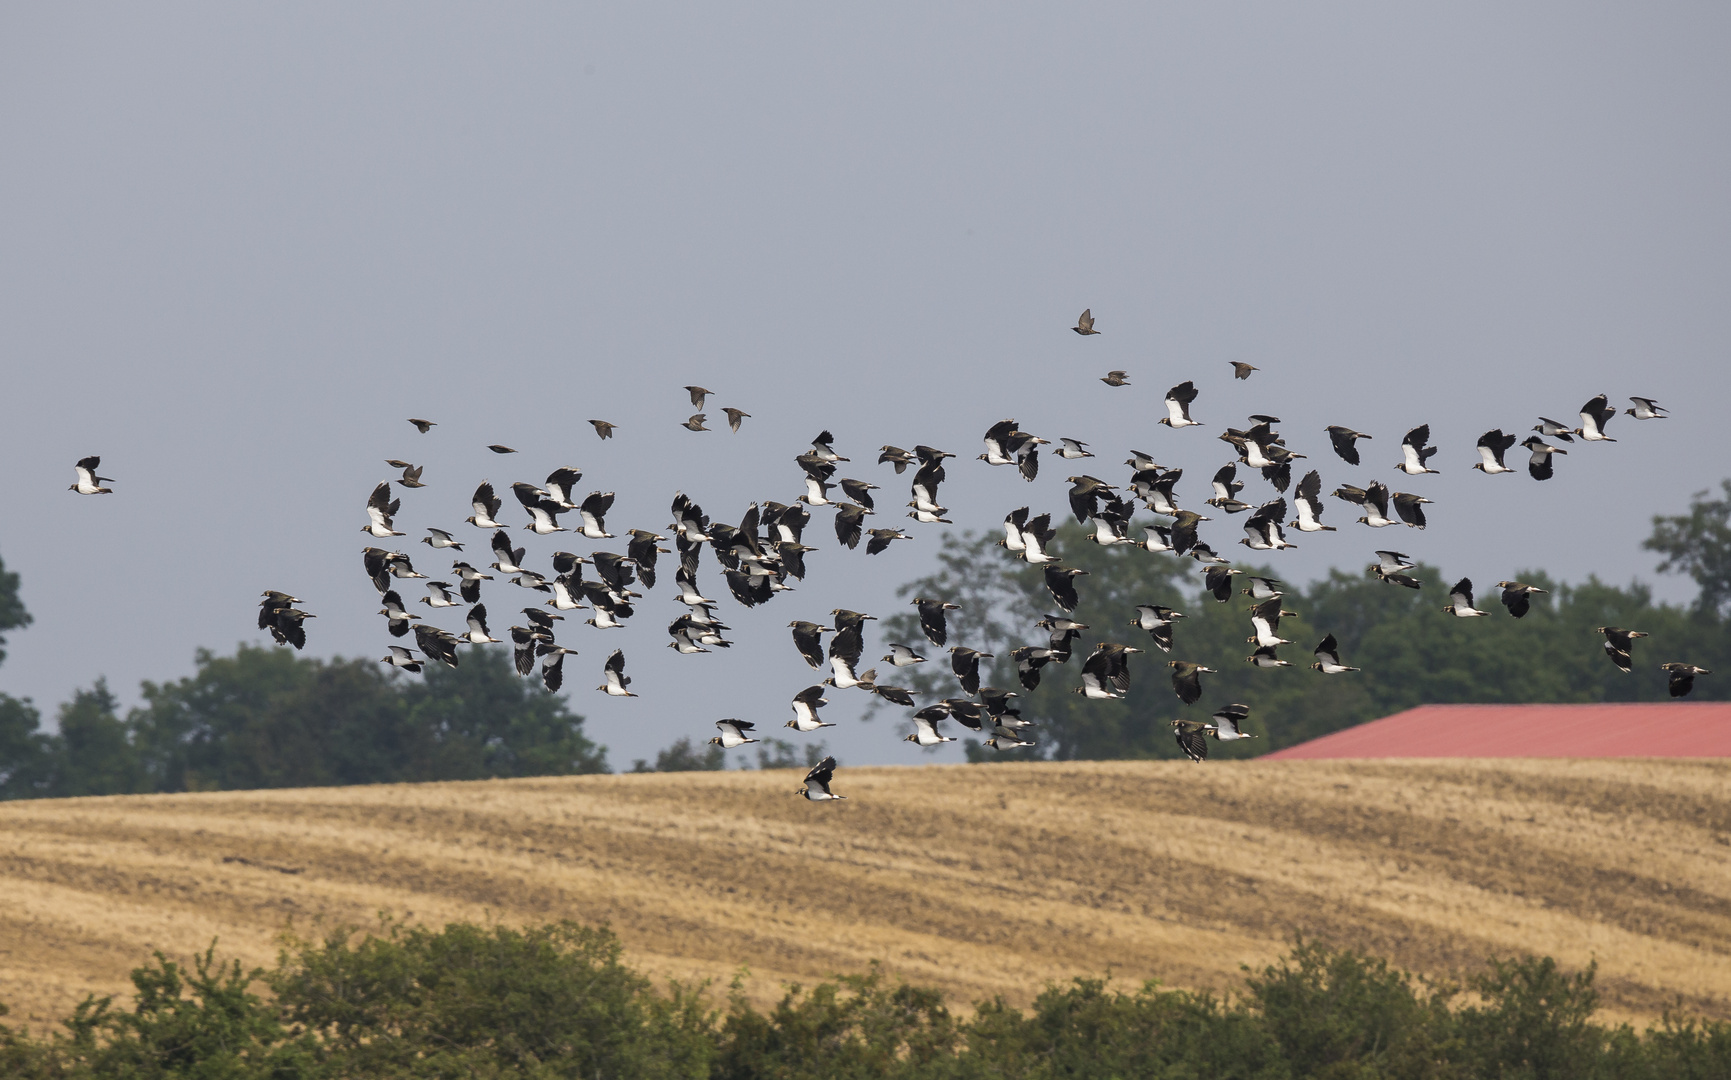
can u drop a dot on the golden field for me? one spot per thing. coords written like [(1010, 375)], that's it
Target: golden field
[(981, 880)]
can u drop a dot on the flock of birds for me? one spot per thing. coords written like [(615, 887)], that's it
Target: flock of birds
[(766, 548)]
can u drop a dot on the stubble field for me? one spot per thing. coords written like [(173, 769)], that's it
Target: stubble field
[(980, 880)]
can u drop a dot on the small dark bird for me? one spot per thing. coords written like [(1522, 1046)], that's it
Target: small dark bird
[(734, 416), (1241, 370), (1619, 644), (965, 662), (895, 455), (1218, 580), (88, 482), (1191, 739), (1682, 675), (932, 619), (423, 426), (817, 782), (411, 473), (849, 524), (1517, 597), (1085, 323), (808, 639), (881, 539), (698, 394), (695, 423), (1061, 583), (1345, 442), (603, 428), (1115, 378), (1187, 680), (498, 449)]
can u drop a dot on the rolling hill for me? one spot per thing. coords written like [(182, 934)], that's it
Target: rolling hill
[(981, 880)]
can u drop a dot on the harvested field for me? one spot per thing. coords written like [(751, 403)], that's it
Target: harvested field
[(981, 880)]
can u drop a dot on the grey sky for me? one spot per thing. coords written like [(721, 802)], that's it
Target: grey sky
[(242, 243)]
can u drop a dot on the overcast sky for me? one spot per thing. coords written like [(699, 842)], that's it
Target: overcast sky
[(243, 242)]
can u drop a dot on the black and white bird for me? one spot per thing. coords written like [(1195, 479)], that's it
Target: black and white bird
[(1072, 449), (381, 508), (1228, 723), (277, 614), (902, 656), (1374, 498), (615, 683), (398, 619), (734, 733), (1241, 370), (860, 492), (1061, 583), (1682, 676), (895, 455), (560, 487), (1345, 441), (1410, 508), (1327, 654), (1648, 409), (1539, 465), (1619, 644), (1187, 680), (423, 426), (401, 657), (89, 483), (806, 703), (933, 622), (1415, 452), (553, 664), (1218, 581), (486, 506), (1029, 660), (1267, 656), (1493, 444), (1226, 488), (926, 726), (823, 451), (1265, 623), (1037, 536), (508, 560), (818, 780), (1006, 444), (1460, 603), (439, 538), (477, 634), (1085, 323), (1085, 492), (1264, 530), (1554, 429), (1183, 534), (1595, 415), (594, 512), (469, 580), (543, 510), (850, 524), (1517, 596), (1158, 621), (1178, 401), (439, 595), (436, 644), (1392, 562), (1106, 671), (965, 662)]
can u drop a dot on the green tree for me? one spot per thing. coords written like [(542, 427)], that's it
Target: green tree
[(12, 613), (23, 750), (91, 754), (683, 756), (1699, 544), (481, 720)]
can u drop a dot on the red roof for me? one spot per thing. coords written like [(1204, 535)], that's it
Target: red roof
[(1644, 729)]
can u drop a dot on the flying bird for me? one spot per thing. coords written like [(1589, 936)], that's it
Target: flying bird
[(965, 662), (381, 508), (1410, 508), (1682, 678), (1061, 583), (1554, 429), (1415, 452), (1115, 378), (439, 538), (1178, 401), (698, 396), (1619, 644), (1460, 603), (615, 681), (734, 416), (817, 782), (1085, 323), (1191, 738), (604, 428), (411, 473), (398, 619), (1539, 465), (423, 426), (1492, 445), (1648, 409), (402, 658), (1517, 597), (805, 706), (903, 656), (1241, 370), (498, 449), (88, 482), (695, 422), (1345, 441), (807, 638), (486, 506), (932, 619), (1327, 654), (1228, 721), (1595, 415), (1187, 680), (1307, 503), (926, 726), (1158, 621), (881, 539)]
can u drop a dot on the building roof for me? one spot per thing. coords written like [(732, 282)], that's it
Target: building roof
[(1636, 729)]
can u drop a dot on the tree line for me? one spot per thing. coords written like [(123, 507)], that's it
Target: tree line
[(1410, 652), (557, 1001)]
